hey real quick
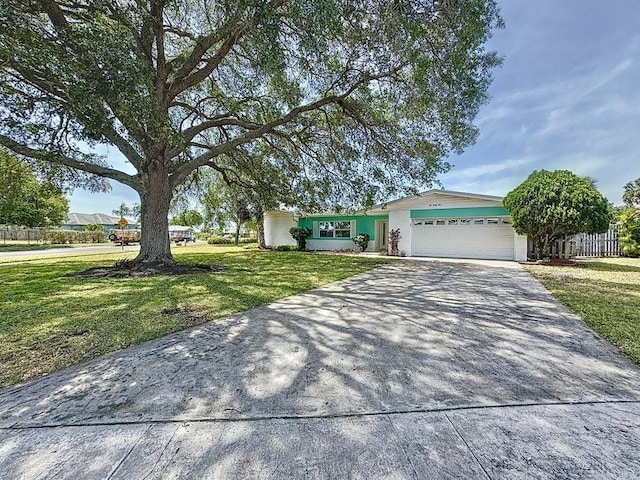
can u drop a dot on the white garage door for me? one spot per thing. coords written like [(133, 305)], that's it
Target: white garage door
[(490, 238)]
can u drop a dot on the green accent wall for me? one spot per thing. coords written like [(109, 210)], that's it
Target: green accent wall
[(461, 212), (364, 223)]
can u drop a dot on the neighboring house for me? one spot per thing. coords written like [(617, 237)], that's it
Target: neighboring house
[(77, 221), (436, 223)]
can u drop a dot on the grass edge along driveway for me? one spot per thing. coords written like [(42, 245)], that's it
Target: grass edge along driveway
[(605, 293), (49, 321)]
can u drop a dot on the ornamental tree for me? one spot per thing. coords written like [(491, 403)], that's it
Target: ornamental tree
[(353, 100), (550, 205)]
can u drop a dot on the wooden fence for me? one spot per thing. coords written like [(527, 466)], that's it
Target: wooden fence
[(586, 245)]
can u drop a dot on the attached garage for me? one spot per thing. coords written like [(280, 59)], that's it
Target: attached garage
[(463, 238)]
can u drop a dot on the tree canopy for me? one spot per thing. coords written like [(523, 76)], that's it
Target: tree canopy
[(327, 102), (631, 195), (188, 218), (25, 201), (551, 204)]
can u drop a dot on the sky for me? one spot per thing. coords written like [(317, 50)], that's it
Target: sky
[(566, 97)]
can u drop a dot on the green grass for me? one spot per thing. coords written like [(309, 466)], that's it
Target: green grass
[(23, 247), (605, 293), (49, 320)]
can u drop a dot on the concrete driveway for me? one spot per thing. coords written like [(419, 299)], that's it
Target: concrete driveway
[(414, 370)]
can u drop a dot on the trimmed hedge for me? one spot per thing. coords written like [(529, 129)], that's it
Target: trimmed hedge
[(63, 237), (228, 241)]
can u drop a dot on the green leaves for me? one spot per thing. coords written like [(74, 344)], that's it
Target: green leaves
[(549, 205), (26, 202), (631, 195)]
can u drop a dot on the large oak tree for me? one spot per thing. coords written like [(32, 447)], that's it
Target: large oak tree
[(353, 100)]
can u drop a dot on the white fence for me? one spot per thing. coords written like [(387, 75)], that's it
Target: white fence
[(598, 244), (585, 245)]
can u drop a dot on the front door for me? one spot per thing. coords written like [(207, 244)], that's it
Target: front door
[(382, 234)]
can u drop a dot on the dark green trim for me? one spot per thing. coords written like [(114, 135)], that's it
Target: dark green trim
[(461, 212)]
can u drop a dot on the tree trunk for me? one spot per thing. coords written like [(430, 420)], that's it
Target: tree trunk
[(260, 225), (237, 238), (155, 199)]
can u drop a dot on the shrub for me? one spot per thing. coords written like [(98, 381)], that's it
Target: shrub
[(394, 238), (94, 227), (361, 240), (219, 241), (300, 235), (63, 237), (228, 241), (286, 248)]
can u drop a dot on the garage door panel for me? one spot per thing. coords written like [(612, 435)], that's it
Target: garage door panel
[(464, 241)]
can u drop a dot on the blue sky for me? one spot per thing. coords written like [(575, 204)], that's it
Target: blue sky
[(567, 97)]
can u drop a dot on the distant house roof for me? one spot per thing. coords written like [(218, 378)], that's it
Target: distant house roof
[(92, 218)]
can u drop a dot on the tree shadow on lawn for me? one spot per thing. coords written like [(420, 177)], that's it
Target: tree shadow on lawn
[(46, 308), (610, 267), (404, 338)]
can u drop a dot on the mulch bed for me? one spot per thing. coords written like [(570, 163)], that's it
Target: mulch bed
[(554, 262), (141, 270)]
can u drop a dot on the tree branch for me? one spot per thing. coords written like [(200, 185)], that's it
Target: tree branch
[(182, 170), (55, 14), (61, 159)]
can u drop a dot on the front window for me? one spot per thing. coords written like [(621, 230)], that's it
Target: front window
[(335, 229)]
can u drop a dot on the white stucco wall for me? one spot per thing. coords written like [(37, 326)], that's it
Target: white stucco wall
[(276, 228), (402, 219), (520, 248)]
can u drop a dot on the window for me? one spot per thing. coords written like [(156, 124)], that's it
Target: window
[(478, 221), (428, 222), (342, 229), (453, 222), (334, 229), (326, 229), (506, 221), (465, 221), (417, 222), (492, 221), (440, 222)]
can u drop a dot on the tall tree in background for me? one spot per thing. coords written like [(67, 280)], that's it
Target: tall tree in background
[(188, 218), (629, 218), (631, 195), (550, 205), (357, 100), (227, 203), (25, 201)]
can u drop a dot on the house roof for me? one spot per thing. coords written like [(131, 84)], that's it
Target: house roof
[(75, 218), (414, 199)]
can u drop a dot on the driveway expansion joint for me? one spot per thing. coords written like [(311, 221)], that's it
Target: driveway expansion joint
[(477, 460), (266, 418)]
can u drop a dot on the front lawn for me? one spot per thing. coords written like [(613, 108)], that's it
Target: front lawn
[(605, 293), (49, 320), (24, 247)]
